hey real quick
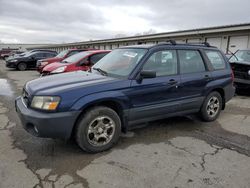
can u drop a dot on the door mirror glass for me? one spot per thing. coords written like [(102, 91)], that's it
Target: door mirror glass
[(148, 74)]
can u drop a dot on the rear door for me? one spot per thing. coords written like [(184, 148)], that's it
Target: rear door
[(194, 79)]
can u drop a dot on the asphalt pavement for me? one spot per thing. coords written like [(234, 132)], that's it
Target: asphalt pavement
[(176, 152)]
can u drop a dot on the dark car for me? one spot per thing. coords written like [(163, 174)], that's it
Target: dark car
[(60, 57), (129, 86), (240, 63), (28, 60)]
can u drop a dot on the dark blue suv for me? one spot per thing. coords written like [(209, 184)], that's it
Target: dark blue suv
[(129, 86)]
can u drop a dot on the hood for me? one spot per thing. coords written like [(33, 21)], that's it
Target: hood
[(242, 63), (53, 66), (54, 84), (52, 59)]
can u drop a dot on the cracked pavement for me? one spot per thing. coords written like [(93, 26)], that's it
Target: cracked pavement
[(175, 152)]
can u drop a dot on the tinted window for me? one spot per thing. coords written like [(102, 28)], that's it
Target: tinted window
[(216, 59), (190, 61), (164, 63), (96, 57), (38, 55)]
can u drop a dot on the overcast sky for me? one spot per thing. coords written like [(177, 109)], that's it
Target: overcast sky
[(59, 21)]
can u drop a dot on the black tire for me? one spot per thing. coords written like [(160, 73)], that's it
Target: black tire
[(206, 111), (22, 66), (84, 135)]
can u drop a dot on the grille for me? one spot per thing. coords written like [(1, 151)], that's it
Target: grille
[(25, 96), (241, 71)]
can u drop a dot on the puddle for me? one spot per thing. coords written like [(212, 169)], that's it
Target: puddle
[(5, 89)]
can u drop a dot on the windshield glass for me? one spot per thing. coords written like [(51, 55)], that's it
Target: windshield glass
[(120, 62), (62, 53), (241, 56), (75, 58)]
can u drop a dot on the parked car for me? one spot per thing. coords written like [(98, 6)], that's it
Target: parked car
[(80, 61), (129, 86), (60, 57), (28, 60), (5, 53), (240, 63)]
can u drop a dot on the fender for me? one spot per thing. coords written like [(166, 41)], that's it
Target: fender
[(115, 96)]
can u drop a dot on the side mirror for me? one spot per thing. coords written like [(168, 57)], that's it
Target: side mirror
[(84, 62), (147, 74)]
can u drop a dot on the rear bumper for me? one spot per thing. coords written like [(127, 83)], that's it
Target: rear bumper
[(48, 125)]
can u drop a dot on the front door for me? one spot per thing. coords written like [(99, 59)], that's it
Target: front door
[(154, 98)]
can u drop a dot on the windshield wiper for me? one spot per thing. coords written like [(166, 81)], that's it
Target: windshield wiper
[(101, 71)]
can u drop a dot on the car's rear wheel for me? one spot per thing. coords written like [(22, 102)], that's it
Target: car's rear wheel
[(211, 107), (22, 66), (98, 130)]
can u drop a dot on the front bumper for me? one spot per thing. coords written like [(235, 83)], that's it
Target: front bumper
[(10, 64), (48, 125)]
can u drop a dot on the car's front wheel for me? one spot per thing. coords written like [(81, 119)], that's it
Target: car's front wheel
[(211, 107), (22, 66), (98, 130)]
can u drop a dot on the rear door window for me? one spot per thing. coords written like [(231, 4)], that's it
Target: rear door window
[(190, 61), (216, 59)]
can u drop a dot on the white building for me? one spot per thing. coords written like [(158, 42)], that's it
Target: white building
[(228, 38)]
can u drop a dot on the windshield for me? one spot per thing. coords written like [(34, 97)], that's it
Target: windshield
[(75, 58), (241, 56), (120, 62), (62, 53)]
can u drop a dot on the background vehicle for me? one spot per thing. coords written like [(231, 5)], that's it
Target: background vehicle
[(80, 61), (5, 53), (29, 59), (129, 86), (61, 56), (240, 63)]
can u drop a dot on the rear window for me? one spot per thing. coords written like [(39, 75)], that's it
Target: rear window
[(216, 59)]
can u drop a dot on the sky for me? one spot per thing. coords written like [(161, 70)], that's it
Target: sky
[(62, 21)]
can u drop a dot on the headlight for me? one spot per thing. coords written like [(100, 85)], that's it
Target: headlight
[(58, 70), (44, 63), (249, 72), (45, 102), (14, 60)]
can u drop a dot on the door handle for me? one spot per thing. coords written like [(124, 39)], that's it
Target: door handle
[(172, 82), (207, 77)]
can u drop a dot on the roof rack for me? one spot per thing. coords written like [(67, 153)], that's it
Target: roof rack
[(173, 42)]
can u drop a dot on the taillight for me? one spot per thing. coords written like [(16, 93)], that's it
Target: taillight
[(232, 75)]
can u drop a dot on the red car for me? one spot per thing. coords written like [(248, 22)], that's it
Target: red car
[(60, 57), (80, 61)]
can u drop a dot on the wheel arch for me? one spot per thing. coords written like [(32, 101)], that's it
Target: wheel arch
[(114, 104), (222, 94)]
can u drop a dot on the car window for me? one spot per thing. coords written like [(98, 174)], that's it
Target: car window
[(39, 55), (241, 56), (190, 61), (164, 63), (96, 57), (216, 59), (73, 52)]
